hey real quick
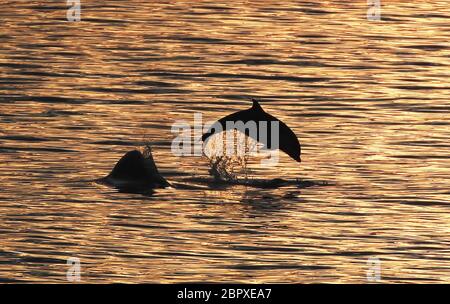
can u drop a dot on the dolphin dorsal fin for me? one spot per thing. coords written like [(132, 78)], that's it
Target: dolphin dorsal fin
[(256, 105)]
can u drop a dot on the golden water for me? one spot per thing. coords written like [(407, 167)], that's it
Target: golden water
[(369, 101)]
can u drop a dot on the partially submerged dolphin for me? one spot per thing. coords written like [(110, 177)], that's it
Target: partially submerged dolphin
[(134, 172), (287, 143), (137, 173)]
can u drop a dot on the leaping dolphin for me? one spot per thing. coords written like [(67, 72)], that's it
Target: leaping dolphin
[(288, 142)]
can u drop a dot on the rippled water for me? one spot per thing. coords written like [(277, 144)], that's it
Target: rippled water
[(369, 101)]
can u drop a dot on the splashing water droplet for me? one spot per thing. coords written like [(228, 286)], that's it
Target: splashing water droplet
[(228, 154)]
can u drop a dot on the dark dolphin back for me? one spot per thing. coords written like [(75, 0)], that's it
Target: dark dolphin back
[(131, 166), (134, 168), (244, 116)]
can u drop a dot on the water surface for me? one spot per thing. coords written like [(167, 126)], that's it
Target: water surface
[(368, 100)]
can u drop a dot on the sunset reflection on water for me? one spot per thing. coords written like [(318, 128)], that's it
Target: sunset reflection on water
[(369, 101)]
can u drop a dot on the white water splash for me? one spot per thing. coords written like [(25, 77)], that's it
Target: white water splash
[(230, 162)]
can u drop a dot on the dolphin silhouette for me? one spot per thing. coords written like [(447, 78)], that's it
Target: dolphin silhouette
[(288, 142), (135, 171)]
